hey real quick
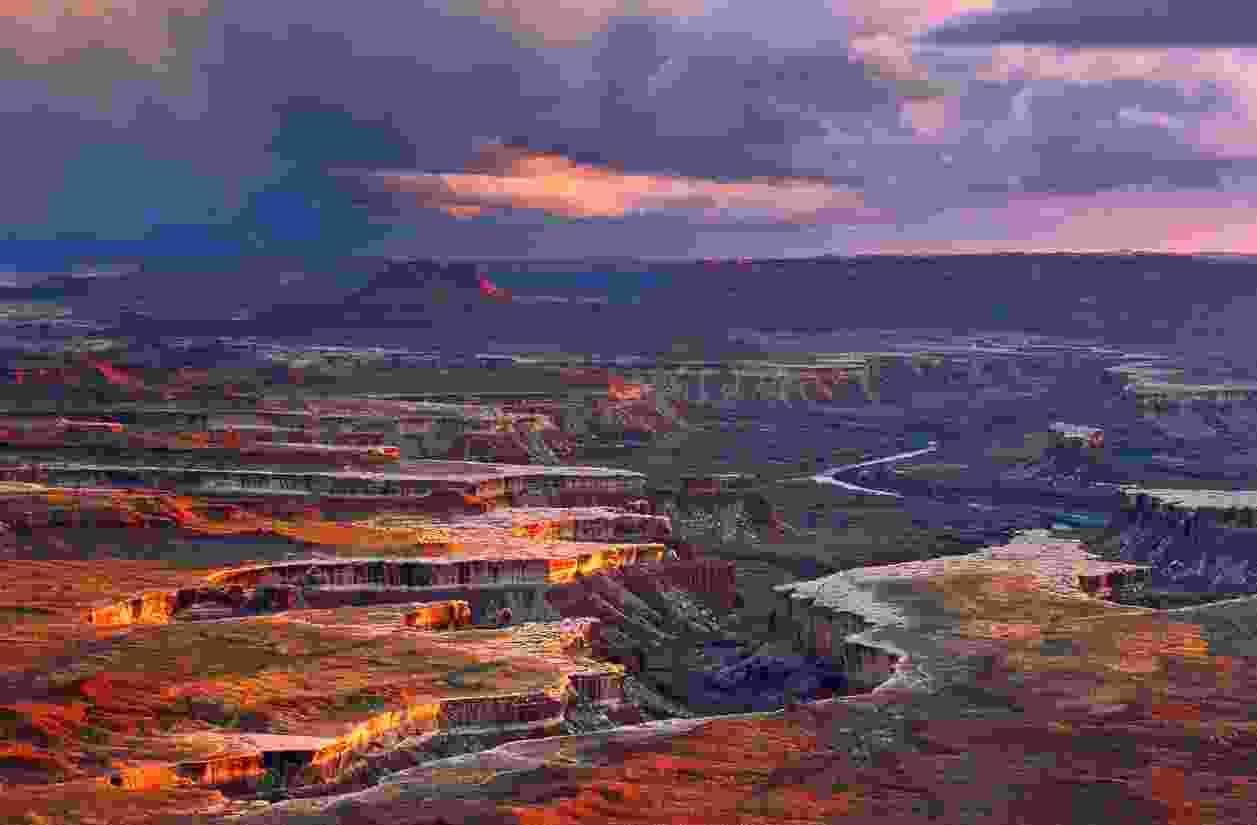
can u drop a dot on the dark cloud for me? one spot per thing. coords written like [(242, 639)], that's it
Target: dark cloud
[(1091, 141), (1112, 23), (243, 157), (272, 114)]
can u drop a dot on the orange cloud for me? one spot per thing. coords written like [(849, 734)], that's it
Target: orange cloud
[(51, 31), (508, 178), (569, 22)]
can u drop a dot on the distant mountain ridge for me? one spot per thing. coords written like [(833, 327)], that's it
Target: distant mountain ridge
[(1131, 299)]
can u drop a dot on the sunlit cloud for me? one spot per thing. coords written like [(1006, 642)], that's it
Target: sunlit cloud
[(506, 178)]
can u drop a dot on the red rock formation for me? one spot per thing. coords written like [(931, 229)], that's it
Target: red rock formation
[(710, 577), (574, 601), (277, 597), (505, 709), (444, 615), (328, 762), (148, 608), (225, 770), (1107, 582), (601, 687), (146, 777)]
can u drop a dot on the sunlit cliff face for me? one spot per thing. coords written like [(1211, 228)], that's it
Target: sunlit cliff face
[(563, 571)]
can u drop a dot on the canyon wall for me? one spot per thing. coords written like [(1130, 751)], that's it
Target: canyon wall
[(425, 573), (824, 633), (711, 577), (527, 587), (604, 687), (227, 770), (1209, 549), (382, 729)]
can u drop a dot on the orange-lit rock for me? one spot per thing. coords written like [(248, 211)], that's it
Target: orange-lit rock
[(148, 608), (226, 770), (445, 615)]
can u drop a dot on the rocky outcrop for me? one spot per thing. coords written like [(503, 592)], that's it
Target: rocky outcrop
[(526, 602), (443, 615), (494, 711), (533, 592), (709, 577), (382, 729), (840, 619), (149, 608), (276, 597), (1194, 540), (391, 572), (715, 485), (497, 715), (145, 777), (763, 683), (227, 770), (598, 687)]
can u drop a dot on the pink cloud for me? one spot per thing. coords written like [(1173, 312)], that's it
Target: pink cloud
[(905, 17), (42, 32), (569, 22), (883, 41), (929, 117), (1191, 71), (1181, 222)]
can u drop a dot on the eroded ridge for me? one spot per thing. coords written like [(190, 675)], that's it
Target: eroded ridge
[(555, 658), (850, 618)]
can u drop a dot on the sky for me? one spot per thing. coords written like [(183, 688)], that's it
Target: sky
[(193, 133)]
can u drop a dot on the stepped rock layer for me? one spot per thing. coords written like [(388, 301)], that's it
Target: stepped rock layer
[(557, 676), (846, 618), (324, 583), (412, 479)]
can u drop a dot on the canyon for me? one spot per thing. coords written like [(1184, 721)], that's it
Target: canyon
[(309, 639)]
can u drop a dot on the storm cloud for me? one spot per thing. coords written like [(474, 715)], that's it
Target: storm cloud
[(192, 133)]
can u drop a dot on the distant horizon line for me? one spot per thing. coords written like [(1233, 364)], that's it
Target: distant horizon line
[(832, 256), (635, 260)]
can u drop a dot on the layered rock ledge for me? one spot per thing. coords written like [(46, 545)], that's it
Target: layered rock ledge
[(871, 621)]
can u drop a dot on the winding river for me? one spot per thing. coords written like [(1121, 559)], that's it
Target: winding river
[(830, 476)]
